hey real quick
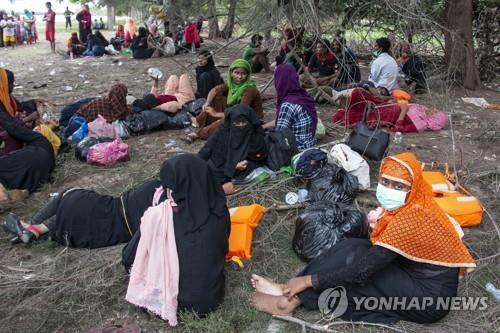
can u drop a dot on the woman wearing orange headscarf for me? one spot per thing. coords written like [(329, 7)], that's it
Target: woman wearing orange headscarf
[(412, 260)]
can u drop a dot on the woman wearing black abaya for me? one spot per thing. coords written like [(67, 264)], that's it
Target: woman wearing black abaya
[(201, 226), (29, 167), (236, 148), (86, 219), (207, 76)]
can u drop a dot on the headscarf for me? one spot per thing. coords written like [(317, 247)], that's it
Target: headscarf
[(28, 14), (54, 140), (419, 230), (288, 90), (242, 142), (210, 63), (112, 107), (130, 26), (73, 40), (6, 99), (236, 90), (194, 190), (120, 32), (85, 16), (143, 32)]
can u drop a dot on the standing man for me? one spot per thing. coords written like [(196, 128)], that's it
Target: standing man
[(50, 26), (67, 15)]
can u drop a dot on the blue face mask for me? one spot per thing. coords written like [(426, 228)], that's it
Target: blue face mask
[(390, 199)]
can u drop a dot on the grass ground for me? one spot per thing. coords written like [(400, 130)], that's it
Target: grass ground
[(47, 288)]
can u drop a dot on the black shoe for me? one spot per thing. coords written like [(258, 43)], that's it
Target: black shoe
[(12, 224)]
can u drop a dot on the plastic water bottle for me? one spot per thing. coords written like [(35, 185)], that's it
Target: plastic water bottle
[(398, 138), (493, 291)]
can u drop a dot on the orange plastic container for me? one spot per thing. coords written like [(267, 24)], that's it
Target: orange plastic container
[(244, 219), (438, 181), (466, 210)]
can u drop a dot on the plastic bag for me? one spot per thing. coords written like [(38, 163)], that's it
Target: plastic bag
[(194, 107), (309, 163), (343, 156), (82, 148), (323, 224), (99, 128), (154, 119), (121, 129), (177, 120), (333, 184), (80, 133), (135, 123), (320, 130), (108, 153)]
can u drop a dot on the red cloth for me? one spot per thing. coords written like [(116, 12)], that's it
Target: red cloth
[(389, 112), (166, 98), (86, 19), (191, 34), (50, 25)]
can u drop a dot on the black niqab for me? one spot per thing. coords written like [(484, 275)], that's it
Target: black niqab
[(194, 190)]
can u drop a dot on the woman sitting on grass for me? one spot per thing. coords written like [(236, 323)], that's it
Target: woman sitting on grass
[(237, 147), (415, 252), (240, 89)]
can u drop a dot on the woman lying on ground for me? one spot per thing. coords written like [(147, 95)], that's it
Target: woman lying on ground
[(240, 89), (30, 166), (86, 219), (178, 91), (414, 254), (140, 47), (237, 147), (75, 46), (207, 76), (295, 108), (393, 110), (201, 226), (112, 107)]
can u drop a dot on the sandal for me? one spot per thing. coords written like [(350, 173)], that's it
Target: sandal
[(190, 138), (12, 225)]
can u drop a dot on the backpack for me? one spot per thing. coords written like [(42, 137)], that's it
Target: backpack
[(281, 146)]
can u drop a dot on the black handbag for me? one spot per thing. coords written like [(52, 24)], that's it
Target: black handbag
[(371, 143)]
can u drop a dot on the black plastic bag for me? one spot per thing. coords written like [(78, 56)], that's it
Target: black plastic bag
[(194, 107), (177, 120), (82, 148), (154, 119), (323, 224), (135, 123), (333, 184)]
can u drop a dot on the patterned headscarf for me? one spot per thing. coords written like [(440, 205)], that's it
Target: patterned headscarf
[(112, 107), (6, 99), (419, 230)]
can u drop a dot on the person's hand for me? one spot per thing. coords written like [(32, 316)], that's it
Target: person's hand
[(398, 127), (205, 106), (242, 165), (297, 285), (211, 111)]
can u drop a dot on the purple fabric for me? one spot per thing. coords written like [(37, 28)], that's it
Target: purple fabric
[(288, 90)]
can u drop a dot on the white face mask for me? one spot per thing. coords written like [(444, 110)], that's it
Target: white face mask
[(389, 198)]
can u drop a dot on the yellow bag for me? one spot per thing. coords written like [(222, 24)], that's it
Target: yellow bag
[(244, 219)]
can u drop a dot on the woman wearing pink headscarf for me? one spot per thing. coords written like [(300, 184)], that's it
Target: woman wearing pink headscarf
[(130, 31)]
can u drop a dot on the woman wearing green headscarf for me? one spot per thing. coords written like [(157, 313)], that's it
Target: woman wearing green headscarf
[(240, 89)]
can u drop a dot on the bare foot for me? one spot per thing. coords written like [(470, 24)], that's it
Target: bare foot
[(274, 305), (265, 286), (229, 188), (18, 195), (3, 193)]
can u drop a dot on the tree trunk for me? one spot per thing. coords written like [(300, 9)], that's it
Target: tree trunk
[(227, 32), (173, 11), (213, 22), (111, 17), (459, 44)]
